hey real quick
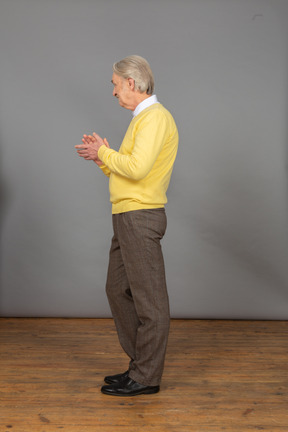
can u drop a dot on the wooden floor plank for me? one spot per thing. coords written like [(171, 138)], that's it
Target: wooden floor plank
[(219, 376)]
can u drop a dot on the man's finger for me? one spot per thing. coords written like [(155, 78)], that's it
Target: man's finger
[(92, 139), (106, 143), (96, 136)]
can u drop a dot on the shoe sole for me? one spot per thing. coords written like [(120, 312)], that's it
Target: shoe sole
[(144, 392)]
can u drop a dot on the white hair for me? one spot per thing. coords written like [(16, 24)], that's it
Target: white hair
[(139, 70)]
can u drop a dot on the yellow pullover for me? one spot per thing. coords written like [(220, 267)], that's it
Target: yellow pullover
[(140, 172)]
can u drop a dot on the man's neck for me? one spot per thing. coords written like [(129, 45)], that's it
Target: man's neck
[(139, 97)]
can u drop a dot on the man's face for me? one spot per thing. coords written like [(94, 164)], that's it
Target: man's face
[(122, 91)]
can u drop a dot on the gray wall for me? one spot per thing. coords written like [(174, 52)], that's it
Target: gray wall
[(221, 69)]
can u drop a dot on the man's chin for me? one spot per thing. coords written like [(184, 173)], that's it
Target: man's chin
[(123, 105)]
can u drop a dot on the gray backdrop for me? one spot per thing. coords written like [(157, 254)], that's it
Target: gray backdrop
[(221, 68)]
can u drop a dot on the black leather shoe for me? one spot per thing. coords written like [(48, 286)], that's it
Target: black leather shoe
[(116, 379), (129, 387)]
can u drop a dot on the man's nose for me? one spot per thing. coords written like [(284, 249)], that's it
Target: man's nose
[(114, 92)]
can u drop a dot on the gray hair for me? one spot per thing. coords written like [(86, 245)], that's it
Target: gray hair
[(139, 70)]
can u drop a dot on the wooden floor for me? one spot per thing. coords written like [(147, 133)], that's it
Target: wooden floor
[(219, 376)]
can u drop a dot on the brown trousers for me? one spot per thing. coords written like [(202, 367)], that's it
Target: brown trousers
[(137, 293)]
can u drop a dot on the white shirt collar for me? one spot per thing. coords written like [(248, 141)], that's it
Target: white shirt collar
[(145, 104)]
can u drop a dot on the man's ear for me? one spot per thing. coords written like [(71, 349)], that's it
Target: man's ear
[(131, 83)]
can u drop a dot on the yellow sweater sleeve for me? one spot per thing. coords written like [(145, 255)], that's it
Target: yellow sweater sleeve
[(150, 136), (105, 170)]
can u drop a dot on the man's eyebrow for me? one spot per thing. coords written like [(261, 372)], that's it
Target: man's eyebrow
[(112, 82)]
